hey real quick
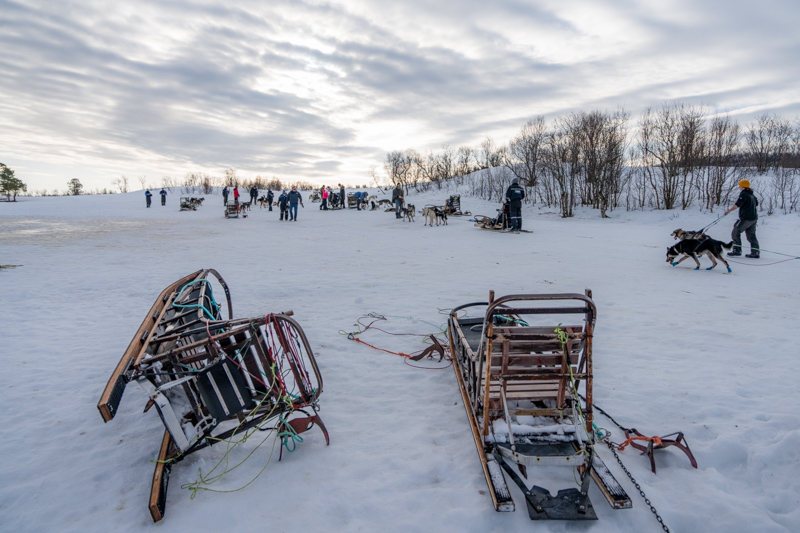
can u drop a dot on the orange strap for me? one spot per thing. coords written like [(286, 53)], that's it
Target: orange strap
[(381, 349), (654, 440)]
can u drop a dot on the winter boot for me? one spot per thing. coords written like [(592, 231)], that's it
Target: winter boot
[(753, 255), (735, 253)]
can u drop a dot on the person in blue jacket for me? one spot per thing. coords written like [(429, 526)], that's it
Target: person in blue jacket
[(283, 205), (163, 194), (294, 198), (514, 196), (225, 195), (148, 197)]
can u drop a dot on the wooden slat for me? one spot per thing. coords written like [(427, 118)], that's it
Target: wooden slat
[(158, 490), (109, 399)]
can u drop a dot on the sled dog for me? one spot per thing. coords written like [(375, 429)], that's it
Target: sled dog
[(408, 213), (429, 214), (693, 247), (680, 235)]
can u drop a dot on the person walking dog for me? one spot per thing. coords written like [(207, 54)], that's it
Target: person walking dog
[(747, 204)]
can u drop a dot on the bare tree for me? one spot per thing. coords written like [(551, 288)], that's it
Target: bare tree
[(720, 161), (525, 153), (660, 152), (562, 160), (768, 141), (398, 166), (121, 183), (602, 142), (464, 161), (491, 155), (231, 178)]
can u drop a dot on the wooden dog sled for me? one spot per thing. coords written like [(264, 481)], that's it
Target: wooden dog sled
[(519, 378), (211, 379)]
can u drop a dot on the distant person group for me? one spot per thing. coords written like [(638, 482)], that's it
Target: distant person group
[(148, 196)]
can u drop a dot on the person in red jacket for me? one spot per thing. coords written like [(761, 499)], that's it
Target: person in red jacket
[(236, 195)]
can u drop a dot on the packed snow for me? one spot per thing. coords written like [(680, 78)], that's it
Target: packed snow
[(708, 353)]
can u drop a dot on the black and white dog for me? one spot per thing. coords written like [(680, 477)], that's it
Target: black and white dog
[(693, 247)]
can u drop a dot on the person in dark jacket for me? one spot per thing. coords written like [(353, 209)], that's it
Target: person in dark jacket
[(514, 195), (253, 194), (163, 194), (342, 197), (270, 197), (225, 195), (294, 198), (148, 196), (398, 200), (747, 204), (283, 205)]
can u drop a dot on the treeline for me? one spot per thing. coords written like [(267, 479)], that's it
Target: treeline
[(672, 157), (191, 183)]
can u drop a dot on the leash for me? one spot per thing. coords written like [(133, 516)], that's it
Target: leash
[(791, 257), (435, 347), (703, 230)]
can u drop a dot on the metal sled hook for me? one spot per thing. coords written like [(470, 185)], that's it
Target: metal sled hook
[(657, 443)]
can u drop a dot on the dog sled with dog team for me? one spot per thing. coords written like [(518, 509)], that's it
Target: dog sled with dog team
[(190, 203)]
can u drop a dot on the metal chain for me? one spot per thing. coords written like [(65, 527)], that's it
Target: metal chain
[(638, 487)]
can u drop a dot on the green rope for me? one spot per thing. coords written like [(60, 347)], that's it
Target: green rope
[(563, 337), (292, 435)]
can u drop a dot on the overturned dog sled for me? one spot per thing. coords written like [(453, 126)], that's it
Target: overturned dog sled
[(210, 379), (519, 372)]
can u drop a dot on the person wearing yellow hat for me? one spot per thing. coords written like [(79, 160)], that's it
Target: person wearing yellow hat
[(747, 204)]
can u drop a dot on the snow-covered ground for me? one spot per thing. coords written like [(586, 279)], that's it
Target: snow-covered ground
[(708, 353)]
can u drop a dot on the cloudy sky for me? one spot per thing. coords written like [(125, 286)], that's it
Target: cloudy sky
[(321, 90)]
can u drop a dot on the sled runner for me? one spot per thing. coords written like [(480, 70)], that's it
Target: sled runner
[(211, 379), (519, 373)]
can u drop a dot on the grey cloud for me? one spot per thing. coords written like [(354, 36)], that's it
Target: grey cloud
[(182, 83)]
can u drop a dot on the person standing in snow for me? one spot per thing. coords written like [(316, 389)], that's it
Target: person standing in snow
[(514, 195), (236, 194), (148, 197), (398, 200), (283, 205), (324, 193), (163, 194), (225, 195), (294, 198), (342, 197), (253, 195), (270, 196), (747, 204)]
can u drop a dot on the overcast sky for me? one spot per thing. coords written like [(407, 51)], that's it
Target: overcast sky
[(322, 90)]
